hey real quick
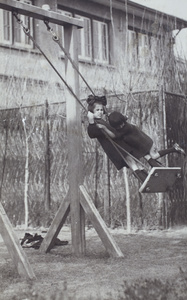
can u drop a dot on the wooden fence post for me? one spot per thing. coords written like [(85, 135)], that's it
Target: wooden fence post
[(47, 197)]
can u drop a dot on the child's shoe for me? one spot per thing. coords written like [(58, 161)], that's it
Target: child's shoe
[(179, 149)]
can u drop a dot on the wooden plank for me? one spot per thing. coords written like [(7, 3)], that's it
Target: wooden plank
[(39, 13), (14, 248), (61, 215), (74, 143), (99, 224), (160, 180)]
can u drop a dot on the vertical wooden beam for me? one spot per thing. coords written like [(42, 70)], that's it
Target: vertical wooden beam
[(74, 133), (16, 252)]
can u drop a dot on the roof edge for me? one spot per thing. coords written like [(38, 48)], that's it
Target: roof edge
[(139, 10)]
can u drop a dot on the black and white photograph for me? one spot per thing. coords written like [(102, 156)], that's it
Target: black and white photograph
[(93, 152)]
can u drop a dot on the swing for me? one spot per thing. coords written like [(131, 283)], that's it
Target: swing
[(77, 199), (159, 180)]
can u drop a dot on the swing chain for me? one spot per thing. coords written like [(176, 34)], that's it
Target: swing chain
[(25, 29), (50, 29), (56, 39), (15, 14)]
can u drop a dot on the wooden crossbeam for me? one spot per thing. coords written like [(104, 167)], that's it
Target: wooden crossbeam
[(99, 225), (39, 13), (14, 248)]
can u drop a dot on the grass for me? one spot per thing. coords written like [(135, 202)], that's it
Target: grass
[(149, 270)]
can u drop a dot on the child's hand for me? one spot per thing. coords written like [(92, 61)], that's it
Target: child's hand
[(101, 126), (90, 116)]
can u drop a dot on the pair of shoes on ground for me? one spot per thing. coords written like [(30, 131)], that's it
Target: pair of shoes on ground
[(34, 241), (179, 149)]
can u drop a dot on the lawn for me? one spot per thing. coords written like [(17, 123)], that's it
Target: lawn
[(154, 267)]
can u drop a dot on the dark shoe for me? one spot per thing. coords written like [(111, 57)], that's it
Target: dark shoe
[(154, 163), (141, 175), (179, 149)]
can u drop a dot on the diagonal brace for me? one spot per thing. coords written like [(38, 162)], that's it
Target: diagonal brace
[(99, 224)]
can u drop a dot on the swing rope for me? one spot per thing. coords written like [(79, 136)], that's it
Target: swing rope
[(57, 40), (117, 147), (27, 32)]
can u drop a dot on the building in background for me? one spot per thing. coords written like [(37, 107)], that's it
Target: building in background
[(123, 47)]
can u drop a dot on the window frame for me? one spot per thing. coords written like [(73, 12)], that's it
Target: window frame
[(13, 26), (87, 50), (102, 51), (142, 48)]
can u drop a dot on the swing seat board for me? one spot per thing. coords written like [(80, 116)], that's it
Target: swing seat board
[(160, 180)]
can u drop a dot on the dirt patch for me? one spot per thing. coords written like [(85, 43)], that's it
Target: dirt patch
[(155, 255)]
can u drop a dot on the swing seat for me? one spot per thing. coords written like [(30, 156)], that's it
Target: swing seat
[(160, 180)]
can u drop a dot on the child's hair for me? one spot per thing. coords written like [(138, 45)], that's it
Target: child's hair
[(116, 119), (93, 100)]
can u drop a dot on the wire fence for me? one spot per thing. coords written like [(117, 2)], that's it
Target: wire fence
[(38, 135), (176, 122)]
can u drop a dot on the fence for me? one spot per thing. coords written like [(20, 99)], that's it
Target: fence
[(37, 135), (176, 124)]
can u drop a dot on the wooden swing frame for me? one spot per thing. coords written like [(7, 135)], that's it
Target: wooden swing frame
[(77, 201)]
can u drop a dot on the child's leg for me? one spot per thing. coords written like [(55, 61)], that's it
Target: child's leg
[(153, 155), (151, 158), (176, 148), (138, 171)]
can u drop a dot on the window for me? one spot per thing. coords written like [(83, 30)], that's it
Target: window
[(60, 29), (93, 39), (143, 50), (139, 49), (132, 47), (5, 27), (85, 43), (100, 41), (11, 32)]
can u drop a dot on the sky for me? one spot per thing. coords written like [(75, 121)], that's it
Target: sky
[(177, 8)]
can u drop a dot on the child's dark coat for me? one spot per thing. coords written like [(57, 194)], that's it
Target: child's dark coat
[(110, 150), (130, 138), (139, 142)]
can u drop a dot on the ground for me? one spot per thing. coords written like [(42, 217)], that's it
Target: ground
[(147, 255)]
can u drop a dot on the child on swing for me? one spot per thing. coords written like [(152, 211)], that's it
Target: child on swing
[(98, 127), (127, 136), (136, 138)]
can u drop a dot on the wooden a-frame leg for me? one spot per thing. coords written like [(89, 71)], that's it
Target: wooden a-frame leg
[(61, 215), (99, 224), (14, 248)]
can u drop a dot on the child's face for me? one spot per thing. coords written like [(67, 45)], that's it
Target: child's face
[(98, 111)]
